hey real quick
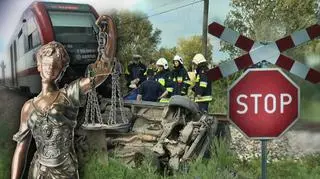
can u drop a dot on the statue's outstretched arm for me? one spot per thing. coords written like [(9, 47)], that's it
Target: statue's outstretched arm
[(100, 70)]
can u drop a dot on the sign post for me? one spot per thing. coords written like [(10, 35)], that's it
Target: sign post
[(264, 152), (263, 104)]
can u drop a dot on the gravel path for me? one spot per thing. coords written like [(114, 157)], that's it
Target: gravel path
[(293, 144)]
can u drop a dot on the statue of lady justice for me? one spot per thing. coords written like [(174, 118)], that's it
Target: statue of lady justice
[(50, 118)]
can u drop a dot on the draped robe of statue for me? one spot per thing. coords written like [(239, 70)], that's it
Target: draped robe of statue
[(53, 132)]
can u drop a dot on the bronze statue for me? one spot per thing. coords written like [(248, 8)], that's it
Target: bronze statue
[(50, 118)]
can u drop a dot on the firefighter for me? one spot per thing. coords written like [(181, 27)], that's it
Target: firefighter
[(202, 87), (180, 77), (136, 72), (163, 77), (151, 90), (152, 65)]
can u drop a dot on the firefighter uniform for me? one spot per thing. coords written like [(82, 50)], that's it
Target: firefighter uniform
[(180, 77), (150, 90), (136, 70), (164, 78), (202, 88)]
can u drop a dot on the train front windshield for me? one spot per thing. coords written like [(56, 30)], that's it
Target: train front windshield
[(77, 31)]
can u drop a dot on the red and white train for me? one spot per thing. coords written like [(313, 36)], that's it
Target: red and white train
[(73, 25)]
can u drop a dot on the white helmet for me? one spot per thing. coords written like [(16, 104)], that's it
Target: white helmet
[(198, 58), (162, 62), (178, 58)]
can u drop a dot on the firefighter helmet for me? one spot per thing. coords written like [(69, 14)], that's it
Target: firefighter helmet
[(198, 58), (178, 58), (162, 62)]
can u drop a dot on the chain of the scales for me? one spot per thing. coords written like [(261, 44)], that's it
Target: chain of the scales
[(116, 97), (93, 109)]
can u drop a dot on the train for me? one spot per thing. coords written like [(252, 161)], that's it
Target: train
[(71, 24)]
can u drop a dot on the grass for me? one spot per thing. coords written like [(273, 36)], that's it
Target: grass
[(5, 150), (310, 110), (5, 163), (307, 167), (222, 165)]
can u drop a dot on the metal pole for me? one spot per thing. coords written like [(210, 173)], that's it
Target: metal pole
[(205, 28), (264, 159)]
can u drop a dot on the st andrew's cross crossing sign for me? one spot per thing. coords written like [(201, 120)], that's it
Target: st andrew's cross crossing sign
[(271, 52)]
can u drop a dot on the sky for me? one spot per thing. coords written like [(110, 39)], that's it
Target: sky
[(186, 21), (182, 22)]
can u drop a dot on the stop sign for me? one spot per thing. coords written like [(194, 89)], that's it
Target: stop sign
[(263, 103)]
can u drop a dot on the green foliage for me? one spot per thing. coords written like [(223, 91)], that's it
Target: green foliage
[(6, 148), (167, 53), (307, 167), (136, 35), (219, 92), (223, 164), (187, 48), (5, 163), (112, 168)]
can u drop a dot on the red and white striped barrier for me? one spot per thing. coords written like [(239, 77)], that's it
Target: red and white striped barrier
[(258, 52)]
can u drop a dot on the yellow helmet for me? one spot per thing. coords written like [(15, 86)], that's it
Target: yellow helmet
[(198, 58)]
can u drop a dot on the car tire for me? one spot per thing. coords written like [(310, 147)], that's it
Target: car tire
[(185, 102)]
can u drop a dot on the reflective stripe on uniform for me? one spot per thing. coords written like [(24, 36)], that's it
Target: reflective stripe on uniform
[(197, 78), (164, 100), (169, 89), (203, 84), (162, 81), (203, 99), (188, 82), (179, 79)]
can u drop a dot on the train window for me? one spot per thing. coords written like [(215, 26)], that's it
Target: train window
[(30, 46), (35, 39), (74, 27), (20, 33), (21, 44), (73, 19)]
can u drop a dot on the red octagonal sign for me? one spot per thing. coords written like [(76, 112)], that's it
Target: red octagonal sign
[(263, 103)]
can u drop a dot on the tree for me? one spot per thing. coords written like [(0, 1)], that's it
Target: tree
[(266, 20), (167, 53), (136, 35), (187, 48)]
